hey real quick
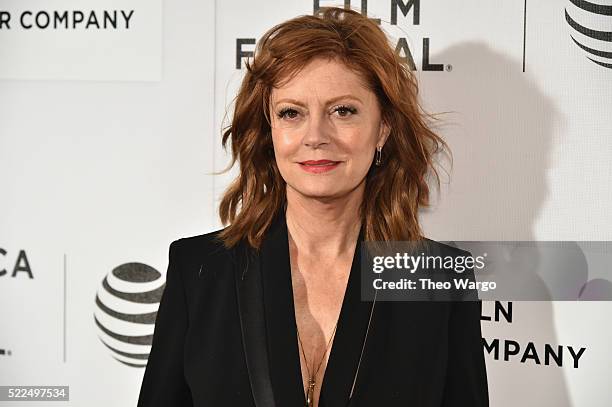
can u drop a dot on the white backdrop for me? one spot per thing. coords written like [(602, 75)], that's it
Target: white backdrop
[(101, 171)]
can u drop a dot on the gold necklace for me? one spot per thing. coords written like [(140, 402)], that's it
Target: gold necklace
[(311, 378)]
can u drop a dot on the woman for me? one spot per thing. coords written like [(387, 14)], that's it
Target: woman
[(333, 150)]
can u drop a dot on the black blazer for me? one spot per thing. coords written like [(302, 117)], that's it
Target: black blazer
[(225, 336)]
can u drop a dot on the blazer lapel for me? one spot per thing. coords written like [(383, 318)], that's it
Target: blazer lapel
[(349, 344), (280, 316), (249, 293)]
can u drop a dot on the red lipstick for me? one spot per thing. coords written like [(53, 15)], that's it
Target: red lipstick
[(318, 166)]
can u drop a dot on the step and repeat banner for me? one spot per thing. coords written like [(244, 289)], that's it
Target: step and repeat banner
[(110, 127)]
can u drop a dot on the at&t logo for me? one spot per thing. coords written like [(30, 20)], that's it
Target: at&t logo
[(125, 311), (591, 29)]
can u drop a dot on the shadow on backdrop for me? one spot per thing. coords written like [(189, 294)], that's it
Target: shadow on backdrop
[(502, 135)]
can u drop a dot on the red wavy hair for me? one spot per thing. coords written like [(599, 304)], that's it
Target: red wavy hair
[(396, 190)]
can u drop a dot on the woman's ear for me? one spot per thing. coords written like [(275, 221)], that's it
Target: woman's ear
[(383, 133)]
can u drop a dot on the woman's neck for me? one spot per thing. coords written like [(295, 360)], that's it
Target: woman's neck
[(324, 227)]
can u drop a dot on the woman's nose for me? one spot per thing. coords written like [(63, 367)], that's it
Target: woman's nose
[(319, 130)]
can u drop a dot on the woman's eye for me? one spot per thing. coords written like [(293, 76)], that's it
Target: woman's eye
[(287, 113), (345, 111)]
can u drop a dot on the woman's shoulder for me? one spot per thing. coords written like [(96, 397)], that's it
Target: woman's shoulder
[(198, 246), (200, 257)]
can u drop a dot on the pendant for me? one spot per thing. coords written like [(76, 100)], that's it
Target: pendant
[(310, 392)]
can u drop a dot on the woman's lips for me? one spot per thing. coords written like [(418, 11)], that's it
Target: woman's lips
[(318, 166)]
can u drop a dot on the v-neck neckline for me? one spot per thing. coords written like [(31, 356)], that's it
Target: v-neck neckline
[(283, 347)]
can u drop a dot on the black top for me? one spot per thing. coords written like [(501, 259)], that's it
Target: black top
[(225, 335)]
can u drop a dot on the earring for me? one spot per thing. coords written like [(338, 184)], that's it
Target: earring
[(379, 156)]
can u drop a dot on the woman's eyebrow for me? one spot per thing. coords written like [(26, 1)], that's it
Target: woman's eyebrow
[(330, 101)]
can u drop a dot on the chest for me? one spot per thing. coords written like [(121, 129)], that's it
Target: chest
[(318, 295)]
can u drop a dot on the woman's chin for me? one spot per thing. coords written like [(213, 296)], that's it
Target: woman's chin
[(322, 193)]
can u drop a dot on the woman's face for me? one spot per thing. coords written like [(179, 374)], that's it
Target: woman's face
[(325, 113)]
